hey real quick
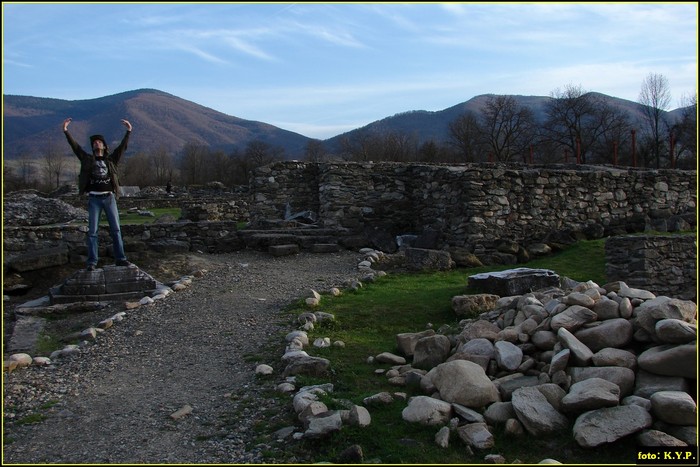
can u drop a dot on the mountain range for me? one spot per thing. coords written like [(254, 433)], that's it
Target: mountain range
[(33, 124)]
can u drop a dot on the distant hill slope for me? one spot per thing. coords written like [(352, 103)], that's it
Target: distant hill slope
[(159, 119), (426, 126)]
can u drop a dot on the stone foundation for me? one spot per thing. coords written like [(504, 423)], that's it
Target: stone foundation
[(479, 207), (662, 264), (108, 284)]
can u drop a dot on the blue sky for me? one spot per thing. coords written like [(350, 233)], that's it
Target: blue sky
[(321, 69)]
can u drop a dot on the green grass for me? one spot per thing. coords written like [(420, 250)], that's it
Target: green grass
[(46, 344), (367, 321), (126, 218)]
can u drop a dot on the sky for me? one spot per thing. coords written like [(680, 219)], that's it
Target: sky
[(322, 69)]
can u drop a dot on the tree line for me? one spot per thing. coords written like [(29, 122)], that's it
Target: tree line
[(578, 127)]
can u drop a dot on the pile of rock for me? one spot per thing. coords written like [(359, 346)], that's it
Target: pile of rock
[(613, 360), (30, 208), (608, 362)]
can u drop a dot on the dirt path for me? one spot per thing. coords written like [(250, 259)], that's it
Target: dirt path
[(113, 402)]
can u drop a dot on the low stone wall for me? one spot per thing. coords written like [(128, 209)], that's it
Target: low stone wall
[(500, 214), (284, 186), (663, 264), (57, 245), (479, 206), (227, 207), (215, 210)]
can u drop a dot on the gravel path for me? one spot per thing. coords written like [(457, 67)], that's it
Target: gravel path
[(112, 403)]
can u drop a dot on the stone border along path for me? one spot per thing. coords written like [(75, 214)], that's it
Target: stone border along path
[(171, 382)]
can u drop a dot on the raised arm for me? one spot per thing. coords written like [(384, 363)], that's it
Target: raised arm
[(77, 150), (119, 150)]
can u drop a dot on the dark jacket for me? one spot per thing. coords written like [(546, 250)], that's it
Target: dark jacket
[(87, 159)]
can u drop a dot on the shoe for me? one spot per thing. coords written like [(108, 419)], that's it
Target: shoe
[(123, 262), (90, 267)]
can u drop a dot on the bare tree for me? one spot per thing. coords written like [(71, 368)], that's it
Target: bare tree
[(136, 171), (655, 98), (54, 164), (315, 151), (362, 146), (10, 180), (465, 134), (567, 114), (162, 165), (607, 129), (192, 163), (218, 167), (27, 171), (400, 146), (430, 151), (240, 168), (685, 132), (260, 153), (19, 174), (381, 145), (509, 128)]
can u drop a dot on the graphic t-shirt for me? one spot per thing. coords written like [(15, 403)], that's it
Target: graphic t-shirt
[(100, 179)]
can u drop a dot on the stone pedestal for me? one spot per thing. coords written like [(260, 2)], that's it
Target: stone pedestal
[(517, 281), (110, 283)]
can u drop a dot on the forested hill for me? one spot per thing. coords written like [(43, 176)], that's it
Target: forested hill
[(32, 125), (160, 120)]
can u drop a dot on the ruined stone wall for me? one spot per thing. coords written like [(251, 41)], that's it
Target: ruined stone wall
[(495, 211), (227, 206), (282, 187), (215, 210), (353, 196), (664, 265), (478, 206), (30, 247)]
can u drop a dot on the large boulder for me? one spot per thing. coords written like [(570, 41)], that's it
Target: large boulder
[(516, 281)]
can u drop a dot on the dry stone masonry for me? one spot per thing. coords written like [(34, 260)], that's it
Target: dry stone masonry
[(499, 213), (666, 265)]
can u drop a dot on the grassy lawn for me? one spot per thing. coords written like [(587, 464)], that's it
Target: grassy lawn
[(126, 218), (368, 320)]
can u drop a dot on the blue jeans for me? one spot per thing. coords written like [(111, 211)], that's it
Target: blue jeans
[(108, 204)]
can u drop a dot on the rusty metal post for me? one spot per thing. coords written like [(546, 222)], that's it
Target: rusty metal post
[(671, 155), (578, 150), (634, 148)]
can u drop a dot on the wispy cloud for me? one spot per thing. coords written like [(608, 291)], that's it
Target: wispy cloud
[(153, 21), (240, 41), (10, 61), (198, 52), (334, 65), (340, 37)]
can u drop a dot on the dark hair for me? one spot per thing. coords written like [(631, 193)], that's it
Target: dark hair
[(100, 137), (104, 142)]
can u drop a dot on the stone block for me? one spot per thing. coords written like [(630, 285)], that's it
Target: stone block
[(111, 283), (325, 248), (283, 250), (516, 281), (40, 259)]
